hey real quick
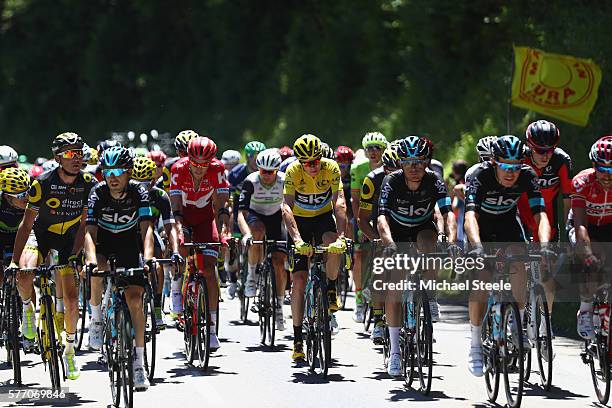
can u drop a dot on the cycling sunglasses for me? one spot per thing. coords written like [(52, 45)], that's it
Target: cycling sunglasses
[(542, 150), (603, 169), (312, 163), (7, 166), (199, 164), (413, 162), (113, 172), (71, 154), (264, 171), (20, 196), (510, 167)]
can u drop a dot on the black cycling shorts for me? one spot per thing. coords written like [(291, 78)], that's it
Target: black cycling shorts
[(45, 241), (602, 233), (409, 234), (125, 248), (272, 223), (311, 230), (500, 229)]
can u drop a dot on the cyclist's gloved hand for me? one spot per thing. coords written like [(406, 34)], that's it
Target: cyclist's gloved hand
[(547, 252), (477, 251), (246, 239), (13, 265), (303, 248), (337, 247), (454, 250), (177, 258), (148, 265), (591, 261), (389, 250)]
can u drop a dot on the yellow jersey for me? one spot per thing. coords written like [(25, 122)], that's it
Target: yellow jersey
[(312, 195)]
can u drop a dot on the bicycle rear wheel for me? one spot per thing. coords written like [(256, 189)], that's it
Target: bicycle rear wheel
[(150, 334), (126, 359), (202, 308), (424, 342), (513, 355), (83, 305), (544, 347), (600, 368), (52, 345), (490, 358)]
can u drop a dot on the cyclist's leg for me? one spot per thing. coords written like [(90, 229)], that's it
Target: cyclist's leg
[(31, 257), (254, 257), (426, 240)]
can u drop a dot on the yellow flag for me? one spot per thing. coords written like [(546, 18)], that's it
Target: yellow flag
[(560, 86)]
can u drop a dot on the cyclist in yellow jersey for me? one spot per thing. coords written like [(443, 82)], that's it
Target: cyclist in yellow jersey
[(312, 196)]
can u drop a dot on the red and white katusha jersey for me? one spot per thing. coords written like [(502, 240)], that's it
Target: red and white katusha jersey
[(182, 183)]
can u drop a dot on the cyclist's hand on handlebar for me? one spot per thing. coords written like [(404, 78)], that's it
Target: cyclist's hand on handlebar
[(177, 258), (454, 250), (389, 250), (303, 248), (148, 264), (247, 239), (337, 247), (13, 265), (548, 253), (477, 251)]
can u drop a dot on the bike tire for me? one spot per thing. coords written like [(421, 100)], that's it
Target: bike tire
[(343, 287), (126, 357), (189, 335), (600, 367), (110, 353), (424, 343), (513, 360), (272, 305), (53, 345), (150, 334), (490, 358), (262, 303), (368, 314), (81, 324), (13, 342), (322, 331), (544, 347), (202, 319)]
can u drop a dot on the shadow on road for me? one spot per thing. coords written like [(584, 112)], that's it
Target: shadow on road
[(241, 323), (194, 371), (555, 393), (70, 399), (278, 348), (408, 394), (311, 378)]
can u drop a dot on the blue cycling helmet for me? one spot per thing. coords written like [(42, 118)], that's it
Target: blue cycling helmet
[(414, 147), (508, 147), (117, 157)]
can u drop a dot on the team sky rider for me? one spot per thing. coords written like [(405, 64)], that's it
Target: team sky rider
[(312, 196), (56, 215), (103, 145), (367, 220), (374, 143), (144, 172), (485, 153), (493, 190), (236, 177), (198, 189), (118, 207), (260, 215), (592, 216), (553, 167), (406, 214)]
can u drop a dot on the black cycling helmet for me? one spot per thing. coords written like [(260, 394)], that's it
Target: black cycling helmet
[(105, 144), (508, 147), (542, 133), (414, 147), (117, 157), (65, 140)]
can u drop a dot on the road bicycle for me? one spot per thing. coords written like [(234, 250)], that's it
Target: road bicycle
[(10, 319)]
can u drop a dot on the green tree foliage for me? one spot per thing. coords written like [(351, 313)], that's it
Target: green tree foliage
[(272, 70)]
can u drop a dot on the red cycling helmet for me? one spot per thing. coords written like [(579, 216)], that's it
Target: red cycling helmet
[(158, 157), (201, 149), (285, 152), (601, 152), (344, 154)]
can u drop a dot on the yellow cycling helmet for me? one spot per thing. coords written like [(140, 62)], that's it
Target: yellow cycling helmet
[(182, 140), (93, 159), (14, 180), (390, 158), (144, 169), (307, 148)]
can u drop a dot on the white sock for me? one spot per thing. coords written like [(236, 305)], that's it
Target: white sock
[(96, 313), (69, 342), (279, 301), (476, 335), (59, 305), (139, 360), (394, 339), (251, 271), (584, 307)]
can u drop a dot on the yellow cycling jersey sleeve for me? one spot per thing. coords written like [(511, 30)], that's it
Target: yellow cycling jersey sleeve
[(313, 195)]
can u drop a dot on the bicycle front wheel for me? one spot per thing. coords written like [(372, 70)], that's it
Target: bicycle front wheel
[(322, 332), (150, 334), (490, 358), (544, 347), (126, 359), (51, 343), (202, 317), (513, 354), (600, 368), (83, 305), (13, 337), (424, 342)]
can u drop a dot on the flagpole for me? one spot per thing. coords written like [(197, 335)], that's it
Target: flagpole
[(510, 92)]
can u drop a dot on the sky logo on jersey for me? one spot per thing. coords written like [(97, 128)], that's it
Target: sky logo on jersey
[(118, 223), (313, 201), (413, 215), (499, 205)]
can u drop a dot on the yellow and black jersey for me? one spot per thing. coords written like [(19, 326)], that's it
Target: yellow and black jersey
[(312, 195), (59, 205)]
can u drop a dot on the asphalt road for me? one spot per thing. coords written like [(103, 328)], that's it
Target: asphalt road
[(243, 373)]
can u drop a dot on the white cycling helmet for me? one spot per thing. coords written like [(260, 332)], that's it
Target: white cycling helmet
[(268, 159), (8, 155), (484, 148), (50, 165), (231, 157)]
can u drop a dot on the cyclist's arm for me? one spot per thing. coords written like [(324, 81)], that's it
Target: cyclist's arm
[(384, 230), (543, 224), (339, 211), (451, 226), (172, 236), (580, 224), (80, 234), (459, 191), (355, 200), (220, 203), (363, 220), (439, 219), (470, 227), (146, 233), (177, 208), (288, 219), (242, 223), (23, 232), (91, 236), (567, 206)]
